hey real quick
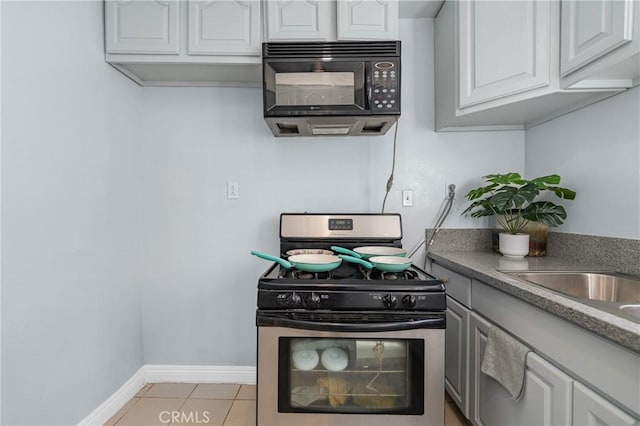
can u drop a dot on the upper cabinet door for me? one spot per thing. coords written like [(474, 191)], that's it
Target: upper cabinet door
[(300, 20), (504, 48), (591, 29), (224, 27), (367, 19), (142, 26)]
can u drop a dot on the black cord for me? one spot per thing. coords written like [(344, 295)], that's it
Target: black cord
[(393, 165)]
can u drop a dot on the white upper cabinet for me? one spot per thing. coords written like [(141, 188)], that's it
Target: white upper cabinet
[(142, 26), (300, 20), (513, 34), (331, 20), (367, 19), (497, 66), (591, 29), (224, 27), (600, 43), (185, 42)]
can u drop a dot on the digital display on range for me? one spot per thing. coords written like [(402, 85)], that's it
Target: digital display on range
[(340, 224)]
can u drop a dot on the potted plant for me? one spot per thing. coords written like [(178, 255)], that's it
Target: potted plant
[(511, 199)]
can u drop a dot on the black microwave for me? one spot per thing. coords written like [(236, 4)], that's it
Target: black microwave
[(331, 88)]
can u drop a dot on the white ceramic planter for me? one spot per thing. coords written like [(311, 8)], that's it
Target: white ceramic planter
[(514, 246)]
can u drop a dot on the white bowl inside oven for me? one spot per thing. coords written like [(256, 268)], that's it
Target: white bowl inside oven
[(334, 359), (305, 359)]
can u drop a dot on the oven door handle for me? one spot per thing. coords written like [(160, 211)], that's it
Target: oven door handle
[(351, 327)]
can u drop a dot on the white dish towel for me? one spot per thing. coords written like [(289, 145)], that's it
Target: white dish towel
[(505, 360)]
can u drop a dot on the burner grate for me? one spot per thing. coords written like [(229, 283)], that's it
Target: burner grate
[(297, 274), (376, 274), (345, 270)]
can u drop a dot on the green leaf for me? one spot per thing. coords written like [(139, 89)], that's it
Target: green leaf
[(479, 192), (545, 212), (510, 198), (480, 208), (511, 178), (546, 180), (564, 193)]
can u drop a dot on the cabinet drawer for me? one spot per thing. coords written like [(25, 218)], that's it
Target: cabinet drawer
[(458, 286)]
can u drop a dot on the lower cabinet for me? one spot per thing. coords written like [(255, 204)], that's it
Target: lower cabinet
[(590, 409), (457, 354), (554, 394), (547, 398)]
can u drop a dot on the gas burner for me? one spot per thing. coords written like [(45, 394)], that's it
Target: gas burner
[(303, 275), (297, 274), (375, 274), (344, 271)]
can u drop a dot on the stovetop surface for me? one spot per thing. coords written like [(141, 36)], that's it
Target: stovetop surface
[(350, 277)]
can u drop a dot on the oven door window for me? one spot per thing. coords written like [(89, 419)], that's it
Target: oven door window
[(372, 376), (292, 88)]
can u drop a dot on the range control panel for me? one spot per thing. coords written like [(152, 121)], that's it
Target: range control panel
[(385, 96), (336, 300)]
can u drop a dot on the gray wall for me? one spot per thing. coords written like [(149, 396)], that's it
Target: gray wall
[(596, 150), (71, 327)]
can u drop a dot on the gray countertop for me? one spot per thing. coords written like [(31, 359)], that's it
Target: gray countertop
[(485, 265)]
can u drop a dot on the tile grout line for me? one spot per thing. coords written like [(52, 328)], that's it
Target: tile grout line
[(185, 400), (192, 391), (231, 406), (125, 413)]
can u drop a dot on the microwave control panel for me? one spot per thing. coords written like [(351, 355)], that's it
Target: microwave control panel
[(385, 86)]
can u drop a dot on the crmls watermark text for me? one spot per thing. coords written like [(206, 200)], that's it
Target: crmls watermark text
[(184, 417)]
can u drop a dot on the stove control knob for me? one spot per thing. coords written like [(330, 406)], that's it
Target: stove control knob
[(295, 300), (389, 301), (282, 299), (313, 301), (409, 301)]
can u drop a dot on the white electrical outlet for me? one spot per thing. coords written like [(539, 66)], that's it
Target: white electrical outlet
[(407, 198), (446, 191), (232, 190)]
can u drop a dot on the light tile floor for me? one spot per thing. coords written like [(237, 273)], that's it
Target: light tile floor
[(208, 404)]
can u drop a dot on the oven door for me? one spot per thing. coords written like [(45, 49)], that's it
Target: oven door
[(307, 88), (392, 373)]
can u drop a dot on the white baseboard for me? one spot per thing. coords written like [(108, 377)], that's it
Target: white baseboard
[(115, 402), (199, 374), (168, 373)]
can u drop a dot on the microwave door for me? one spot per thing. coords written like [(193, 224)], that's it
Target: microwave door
[(310, 88)]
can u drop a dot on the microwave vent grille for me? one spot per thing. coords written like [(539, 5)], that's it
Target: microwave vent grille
[(343, 49)]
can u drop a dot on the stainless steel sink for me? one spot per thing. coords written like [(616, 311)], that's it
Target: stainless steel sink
[(633, 310), (597, 286)]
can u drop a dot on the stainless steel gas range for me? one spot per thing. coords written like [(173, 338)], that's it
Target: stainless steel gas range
[(350, 346)]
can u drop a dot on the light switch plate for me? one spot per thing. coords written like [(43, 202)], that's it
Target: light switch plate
[(407, 198)]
